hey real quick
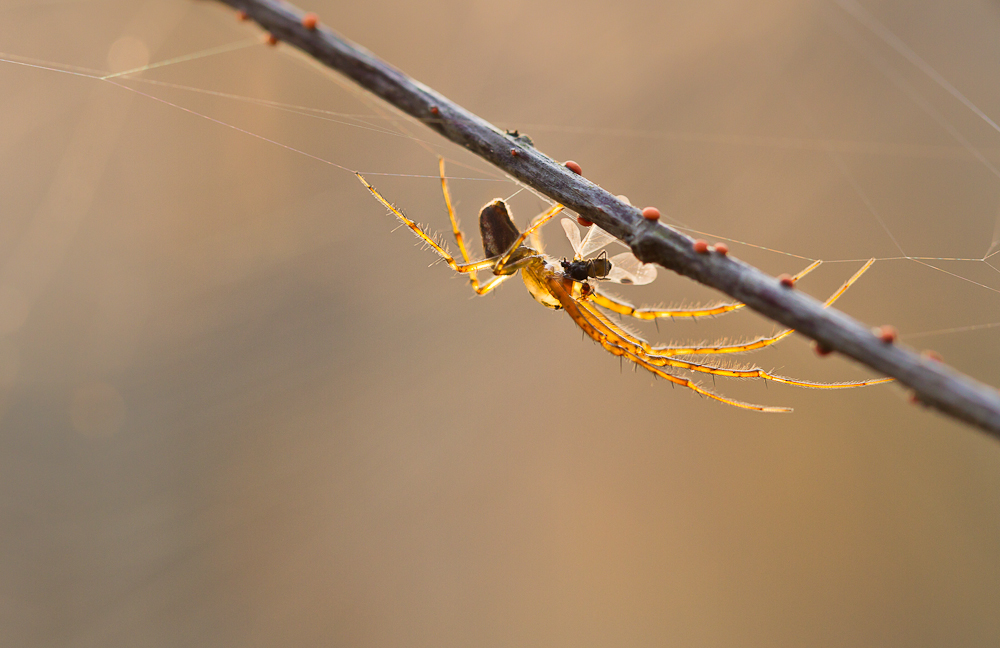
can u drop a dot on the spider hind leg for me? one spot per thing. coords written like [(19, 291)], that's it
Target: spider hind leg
[(464, 268)]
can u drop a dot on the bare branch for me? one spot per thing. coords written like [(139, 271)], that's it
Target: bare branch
[(933, 383)]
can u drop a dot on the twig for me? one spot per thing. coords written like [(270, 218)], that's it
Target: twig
[(933, 383)]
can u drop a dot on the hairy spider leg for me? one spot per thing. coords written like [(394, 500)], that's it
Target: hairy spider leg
[(561, 287), (469, 267), (493, 282), (456, 230), (638, 348), (460, 238), (758, 343), (616, 305), (594, 323), (462, 268)]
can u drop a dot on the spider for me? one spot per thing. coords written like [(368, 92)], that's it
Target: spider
[(566, 285)]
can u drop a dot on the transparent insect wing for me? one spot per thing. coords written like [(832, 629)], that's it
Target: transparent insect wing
[(625, 268), (595, 239), (573, 234), (628, 270)]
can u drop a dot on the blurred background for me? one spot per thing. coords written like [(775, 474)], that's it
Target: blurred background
[(236, 408)]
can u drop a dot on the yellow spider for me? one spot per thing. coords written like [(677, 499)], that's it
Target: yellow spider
[(566, 285)]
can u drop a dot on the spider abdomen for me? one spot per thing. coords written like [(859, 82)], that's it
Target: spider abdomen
[(497, 229)]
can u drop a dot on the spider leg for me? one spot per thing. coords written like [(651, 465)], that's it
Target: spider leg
[(535, 225), (622, 307), (470, 268), (494, 281), (638, 347), (574, 309), (457, 231), (463, 268), (758, 343), (459, 238)]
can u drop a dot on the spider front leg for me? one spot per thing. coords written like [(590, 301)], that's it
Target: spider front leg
[(636, 347), (668, 356), (747, 345), (616, 305), (754, 344), (575, 309)]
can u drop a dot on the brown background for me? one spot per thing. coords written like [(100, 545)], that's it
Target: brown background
[(237, 410)]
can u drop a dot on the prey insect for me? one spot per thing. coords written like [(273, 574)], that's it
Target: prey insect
[(567, 285), (622, 268)]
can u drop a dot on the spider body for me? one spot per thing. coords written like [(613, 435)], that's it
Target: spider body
[(566, 285), (500, 236)]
